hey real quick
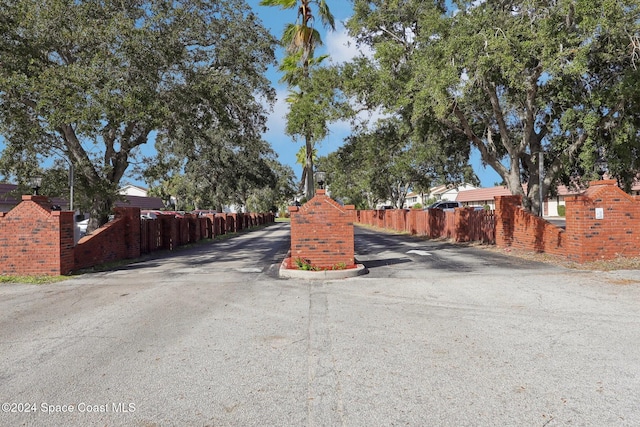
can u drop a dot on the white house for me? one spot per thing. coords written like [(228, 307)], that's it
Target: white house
[(440, 192), (486, 197), (134, 190)]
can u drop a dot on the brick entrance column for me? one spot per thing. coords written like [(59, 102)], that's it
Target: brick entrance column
[(322, 232)]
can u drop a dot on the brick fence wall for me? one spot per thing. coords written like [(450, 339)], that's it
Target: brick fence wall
[(116, 240), (601, 224), (461, 225), (322, 232), (518, 228), (36, 240)]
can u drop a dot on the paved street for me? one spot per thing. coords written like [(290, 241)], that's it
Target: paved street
[(434, 335)]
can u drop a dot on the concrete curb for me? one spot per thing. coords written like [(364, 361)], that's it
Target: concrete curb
[(290, 273)]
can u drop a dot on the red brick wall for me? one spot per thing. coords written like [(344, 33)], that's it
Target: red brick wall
[(45, 247), (616, 234), (34, 240), (586, 238), (462, 225), (517, 228), (116, 240), (322, 232)]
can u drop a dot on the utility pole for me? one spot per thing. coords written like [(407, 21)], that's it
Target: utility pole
[(540, 180), (71, 181)]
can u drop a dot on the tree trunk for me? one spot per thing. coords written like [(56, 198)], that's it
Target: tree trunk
[(99, 213), (310, 185)]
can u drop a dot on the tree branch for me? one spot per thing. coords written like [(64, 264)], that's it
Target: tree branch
[(77, 152), (497, 111), (529, 118), (486, 156)]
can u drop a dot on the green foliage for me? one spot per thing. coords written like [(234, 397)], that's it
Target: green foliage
[(562, 210), (512, 78), (210, 170), (32, 280), (417, 206), (273, 198), (93, 81), (305, 264), (384, 164)]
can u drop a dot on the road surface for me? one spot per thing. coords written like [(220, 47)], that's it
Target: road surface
[(435, 334)]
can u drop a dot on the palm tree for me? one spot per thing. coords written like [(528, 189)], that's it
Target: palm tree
[(301, 40), (301, 159)]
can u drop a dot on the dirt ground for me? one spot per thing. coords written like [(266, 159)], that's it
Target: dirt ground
[(619, 263)]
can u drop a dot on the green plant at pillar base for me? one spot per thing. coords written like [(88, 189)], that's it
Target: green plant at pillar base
[(304, 264)]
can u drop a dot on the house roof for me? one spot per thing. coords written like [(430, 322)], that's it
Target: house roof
[(439, 189), (144, 203), (8, 200), (481, 194), (149, 203), (485, 194), (133, 186)]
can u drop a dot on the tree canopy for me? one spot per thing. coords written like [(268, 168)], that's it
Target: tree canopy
[(385, 163), (95, 80), (512, 78)]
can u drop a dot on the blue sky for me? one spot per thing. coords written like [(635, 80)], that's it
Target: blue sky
[(336, 44)]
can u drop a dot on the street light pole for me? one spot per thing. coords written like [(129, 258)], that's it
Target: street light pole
[(71, 179), (540, 180)]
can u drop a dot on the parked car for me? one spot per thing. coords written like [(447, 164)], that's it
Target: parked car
[(81, 228), (444, 205)]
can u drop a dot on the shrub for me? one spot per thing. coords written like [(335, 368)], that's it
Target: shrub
[(562, 210)]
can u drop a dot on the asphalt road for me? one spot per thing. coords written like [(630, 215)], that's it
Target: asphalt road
[(434, 335)]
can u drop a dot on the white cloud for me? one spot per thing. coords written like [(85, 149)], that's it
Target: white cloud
[(277, 122), (342, 48)]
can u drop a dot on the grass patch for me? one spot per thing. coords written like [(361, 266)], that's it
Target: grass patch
[(32, 280), (619, 263)]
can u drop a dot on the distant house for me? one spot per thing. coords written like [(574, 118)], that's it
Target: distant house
[(9, 199), (481, 196), (440, 192), (136, 197), (144, 203), (134, 190), (486, 197)]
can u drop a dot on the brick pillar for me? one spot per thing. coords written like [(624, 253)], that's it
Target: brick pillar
[(505, 219), (132, 232), (67, 240), (222, 222), (462, 224), (322, 232), (169, 231)]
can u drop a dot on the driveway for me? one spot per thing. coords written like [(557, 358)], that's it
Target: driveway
[(434, 335)]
